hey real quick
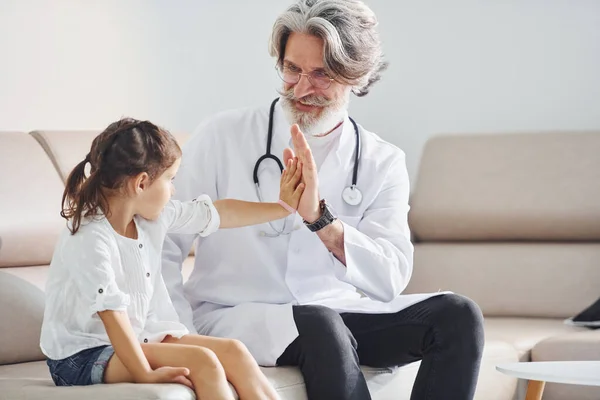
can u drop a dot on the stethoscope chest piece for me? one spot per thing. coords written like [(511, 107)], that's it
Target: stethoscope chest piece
[(352, 195)]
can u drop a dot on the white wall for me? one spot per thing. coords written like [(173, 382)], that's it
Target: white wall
[(456, 66)]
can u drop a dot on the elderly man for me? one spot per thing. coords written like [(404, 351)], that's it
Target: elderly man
[(322, 289)]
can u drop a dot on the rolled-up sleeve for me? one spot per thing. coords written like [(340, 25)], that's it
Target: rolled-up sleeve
[(198, 216), (91, 268)]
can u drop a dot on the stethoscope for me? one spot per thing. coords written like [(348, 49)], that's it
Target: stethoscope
[(351, 194)]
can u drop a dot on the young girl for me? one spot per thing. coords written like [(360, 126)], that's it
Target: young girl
[(108, 315)]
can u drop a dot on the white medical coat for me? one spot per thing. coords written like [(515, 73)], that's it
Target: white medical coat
[(243, 284)]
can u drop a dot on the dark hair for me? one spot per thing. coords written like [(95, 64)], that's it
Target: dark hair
[(124, 149)]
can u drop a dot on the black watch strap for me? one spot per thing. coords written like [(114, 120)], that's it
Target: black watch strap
[(325, 219)]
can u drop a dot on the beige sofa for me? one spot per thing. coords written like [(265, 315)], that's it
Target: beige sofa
[(513, 221)]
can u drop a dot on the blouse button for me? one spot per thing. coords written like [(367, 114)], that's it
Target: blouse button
[(147, 274), (141, 245), (100, 291), (145, 340)]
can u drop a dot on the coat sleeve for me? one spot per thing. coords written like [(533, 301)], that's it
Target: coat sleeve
[(379, 252)]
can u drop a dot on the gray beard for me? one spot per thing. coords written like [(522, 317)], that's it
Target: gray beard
[(310, 125)]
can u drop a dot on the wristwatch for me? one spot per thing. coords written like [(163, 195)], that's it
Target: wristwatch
[(325, 219)]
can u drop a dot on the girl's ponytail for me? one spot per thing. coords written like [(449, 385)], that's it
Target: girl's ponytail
[(80, 194)]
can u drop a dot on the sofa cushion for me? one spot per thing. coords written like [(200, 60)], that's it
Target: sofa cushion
[(525, 333), (21, 313), (508, 187), (35, 275), (574, 346), (30, 219), (492, 385), (31, 389), (32, 381), (579, 346), (553, 280)]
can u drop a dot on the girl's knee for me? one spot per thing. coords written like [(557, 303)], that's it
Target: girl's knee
[(202, 358), (236, 350), (235, 346)]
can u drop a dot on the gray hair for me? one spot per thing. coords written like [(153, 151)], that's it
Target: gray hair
[(352, 49)]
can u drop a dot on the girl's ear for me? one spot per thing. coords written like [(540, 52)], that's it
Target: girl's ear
[(141, 182)]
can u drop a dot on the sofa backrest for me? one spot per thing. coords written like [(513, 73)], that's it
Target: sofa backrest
[(67, 148), (536, 187), (30, 202), (511, 220)]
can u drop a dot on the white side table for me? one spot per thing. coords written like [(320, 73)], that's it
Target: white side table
[(538, 373)]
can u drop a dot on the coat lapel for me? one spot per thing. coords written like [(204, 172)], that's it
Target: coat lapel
[(336, 172)]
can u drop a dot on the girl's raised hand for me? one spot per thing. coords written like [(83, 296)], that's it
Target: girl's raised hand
[(291, 187)]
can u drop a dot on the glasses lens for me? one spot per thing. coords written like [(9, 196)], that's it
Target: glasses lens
[(319, 80), (287, 76)]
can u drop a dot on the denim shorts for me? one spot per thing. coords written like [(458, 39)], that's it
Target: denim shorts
[(83, 368)]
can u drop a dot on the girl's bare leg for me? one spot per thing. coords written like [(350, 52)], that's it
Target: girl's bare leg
[(240, 367), (206, 372)]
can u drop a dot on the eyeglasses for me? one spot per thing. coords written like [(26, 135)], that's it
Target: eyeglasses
[(292, 74)]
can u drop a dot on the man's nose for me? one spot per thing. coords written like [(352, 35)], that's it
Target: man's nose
[(303, 87)]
